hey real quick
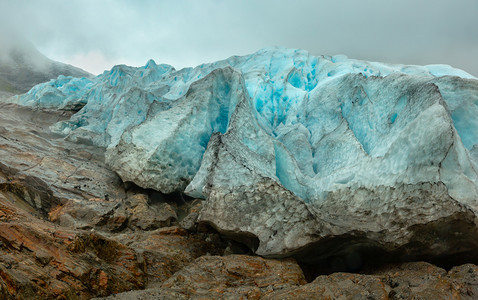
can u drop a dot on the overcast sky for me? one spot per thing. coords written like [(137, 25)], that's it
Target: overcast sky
[(97, 34)]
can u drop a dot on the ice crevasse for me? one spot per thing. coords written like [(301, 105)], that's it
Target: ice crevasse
[(283, 145)]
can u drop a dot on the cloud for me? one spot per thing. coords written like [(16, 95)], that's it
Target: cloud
[(187, 33), (94, 61)]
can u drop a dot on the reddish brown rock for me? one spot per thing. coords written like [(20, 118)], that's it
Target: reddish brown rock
[(337, 286), (417, 280), (145, 215), (464, 280), (39, 260), (422, 280), (235, 276), (168, 250), (226, 277)]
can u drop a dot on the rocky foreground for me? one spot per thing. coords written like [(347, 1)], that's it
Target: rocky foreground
[(71, 229)]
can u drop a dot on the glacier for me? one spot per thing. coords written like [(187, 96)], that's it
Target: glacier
[(286, 146)]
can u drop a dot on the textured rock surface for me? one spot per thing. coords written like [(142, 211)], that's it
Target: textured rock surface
[(42, 260), (228, 277), (45, 169), (407, 281), (242, 277), (39, 260), (168, 250), (134, 211), (231, 276)]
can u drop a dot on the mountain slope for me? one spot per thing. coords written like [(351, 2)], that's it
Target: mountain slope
[(22, 66)]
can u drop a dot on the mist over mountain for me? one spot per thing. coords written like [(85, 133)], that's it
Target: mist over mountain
[(22, 66)]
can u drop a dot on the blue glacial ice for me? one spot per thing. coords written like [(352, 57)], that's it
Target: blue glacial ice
[(312, 124), (65, 92)]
